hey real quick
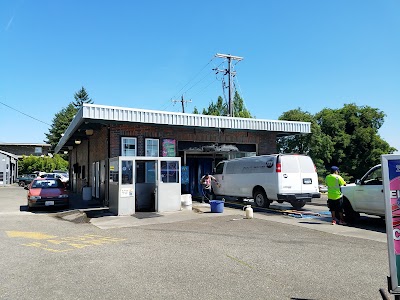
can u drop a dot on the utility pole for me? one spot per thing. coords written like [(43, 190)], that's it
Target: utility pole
[(230, 74), (183, 103)]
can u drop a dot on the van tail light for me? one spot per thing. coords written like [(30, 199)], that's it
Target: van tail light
[(315, 169), (278, 167)]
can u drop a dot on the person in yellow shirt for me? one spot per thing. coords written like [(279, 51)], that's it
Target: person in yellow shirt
[(335, 200)]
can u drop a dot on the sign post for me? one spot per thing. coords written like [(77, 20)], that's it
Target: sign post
[(391, 190)]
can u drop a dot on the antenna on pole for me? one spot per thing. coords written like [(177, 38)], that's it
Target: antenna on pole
[(230, 73), (183, 103)]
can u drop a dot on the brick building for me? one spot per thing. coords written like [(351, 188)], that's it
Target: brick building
[(98, 133)]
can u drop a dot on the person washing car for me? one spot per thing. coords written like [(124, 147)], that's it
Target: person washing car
[(335, 199), (206, 184)]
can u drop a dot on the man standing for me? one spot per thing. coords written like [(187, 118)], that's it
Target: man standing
[(335, 200)]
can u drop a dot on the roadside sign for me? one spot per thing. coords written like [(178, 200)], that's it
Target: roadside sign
[(391, 190)]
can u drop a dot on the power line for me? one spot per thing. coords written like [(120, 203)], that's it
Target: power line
[(169, 102), (25, 114), (196, 75)]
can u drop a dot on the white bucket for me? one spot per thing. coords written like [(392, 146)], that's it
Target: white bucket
[(186, 201)]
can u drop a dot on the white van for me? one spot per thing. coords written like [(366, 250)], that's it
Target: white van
[(267, 178)]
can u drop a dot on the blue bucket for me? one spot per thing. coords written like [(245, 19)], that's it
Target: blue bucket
[(217, 206)]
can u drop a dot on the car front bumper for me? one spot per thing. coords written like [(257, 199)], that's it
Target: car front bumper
[(49, 202)]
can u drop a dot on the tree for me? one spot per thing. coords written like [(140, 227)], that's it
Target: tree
[(61, 121), (354, 133), (317, 145), (63, 118), (81, 97), (239, 109), (221, 109), (30, 164), (217, 109), (346, 137)]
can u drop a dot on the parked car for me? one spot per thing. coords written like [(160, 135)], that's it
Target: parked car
[(60, 176), (323, 188), (45, 192), (25, 179), (365, 195)]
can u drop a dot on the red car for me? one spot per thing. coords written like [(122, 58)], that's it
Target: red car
[(46, 192)]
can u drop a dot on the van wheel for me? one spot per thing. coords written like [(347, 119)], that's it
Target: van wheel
[(350, 215), (298, 204), (260, 198)]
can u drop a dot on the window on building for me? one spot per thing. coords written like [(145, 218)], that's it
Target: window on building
[(152, 147), (170, 171), (128, 147), (38, 150), (127, 172)]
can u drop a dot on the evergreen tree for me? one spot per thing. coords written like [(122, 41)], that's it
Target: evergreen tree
[(81, 97), (61, 121), (221, 109)]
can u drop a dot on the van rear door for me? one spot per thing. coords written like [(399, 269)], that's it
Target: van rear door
[(309, 177), (289, 178)]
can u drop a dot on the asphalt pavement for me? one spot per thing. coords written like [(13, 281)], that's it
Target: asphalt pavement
[(189, 254)]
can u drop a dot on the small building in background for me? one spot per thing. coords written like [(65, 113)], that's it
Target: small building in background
[(8, 168), (21, 149)]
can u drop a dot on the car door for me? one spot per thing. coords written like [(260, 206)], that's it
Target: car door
[(368, 193)]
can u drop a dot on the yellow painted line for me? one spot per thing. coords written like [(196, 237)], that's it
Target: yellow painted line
[(29, 235), (239, 261), (66, 243), (45, 247)]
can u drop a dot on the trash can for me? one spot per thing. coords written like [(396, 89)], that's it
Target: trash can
[(217, 206)]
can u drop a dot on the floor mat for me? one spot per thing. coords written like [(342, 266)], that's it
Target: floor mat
[(146, 215)]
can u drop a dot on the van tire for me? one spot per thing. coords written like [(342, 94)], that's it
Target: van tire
[(298, 204), (260, 198)]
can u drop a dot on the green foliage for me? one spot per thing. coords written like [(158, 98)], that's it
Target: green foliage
[(221, 109), (346, 137), (61, 121), (216, 109), (63, 118), (81, 97), (195, 111), (30, 164), (239, 109)]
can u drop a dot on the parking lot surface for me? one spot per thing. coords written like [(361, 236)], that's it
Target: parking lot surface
[(185, 255)]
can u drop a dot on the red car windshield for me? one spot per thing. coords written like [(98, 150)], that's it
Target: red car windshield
[(47, 184)]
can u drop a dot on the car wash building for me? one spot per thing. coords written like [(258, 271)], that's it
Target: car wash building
[(143, 160)]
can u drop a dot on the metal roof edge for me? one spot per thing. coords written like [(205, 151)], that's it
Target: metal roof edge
[(75, 123), (123, 114), (9, 154)]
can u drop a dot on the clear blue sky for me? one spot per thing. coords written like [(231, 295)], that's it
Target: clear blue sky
[(142, 54)]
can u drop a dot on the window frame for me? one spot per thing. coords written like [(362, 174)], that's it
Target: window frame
[(147, 147), (123, 143)]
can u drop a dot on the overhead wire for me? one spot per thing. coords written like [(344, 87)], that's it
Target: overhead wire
[(25, 114), (201, 90), (169, 102)]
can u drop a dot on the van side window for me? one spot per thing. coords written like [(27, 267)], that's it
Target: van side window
[(219, 169)]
